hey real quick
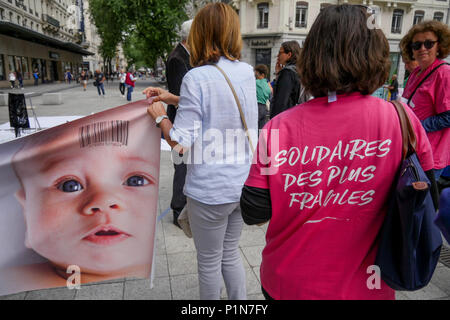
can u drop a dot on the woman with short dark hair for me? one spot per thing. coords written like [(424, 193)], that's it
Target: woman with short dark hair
[(428, 89), (286, 90), (324, 175)]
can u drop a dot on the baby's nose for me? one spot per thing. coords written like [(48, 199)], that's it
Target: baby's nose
[(101, 205), (94, 210)]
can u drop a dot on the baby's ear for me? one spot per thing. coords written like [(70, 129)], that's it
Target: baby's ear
[(20, 196)]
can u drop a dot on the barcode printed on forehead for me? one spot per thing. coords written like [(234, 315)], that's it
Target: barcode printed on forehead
[(113, 132)]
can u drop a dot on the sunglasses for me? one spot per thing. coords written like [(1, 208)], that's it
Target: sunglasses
[(418, 44)]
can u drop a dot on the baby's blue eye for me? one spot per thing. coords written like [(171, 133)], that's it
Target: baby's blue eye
[(136, 181), (70, 186)]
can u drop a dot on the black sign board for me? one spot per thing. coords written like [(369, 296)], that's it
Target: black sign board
[(18, 115)]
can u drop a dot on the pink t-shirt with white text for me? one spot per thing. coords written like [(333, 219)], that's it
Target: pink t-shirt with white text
[(332, 166), (432, 98)]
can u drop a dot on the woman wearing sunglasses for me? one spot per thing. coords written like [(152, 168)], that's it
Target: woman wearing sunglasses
[(428, 89)]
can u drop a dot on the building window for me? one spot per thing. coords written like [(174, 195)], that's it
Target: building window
[(2, 13), (301, 14), (263, 15), (397, 20), (25, 69), (418, 17), (2, 68), (263, 56), (438, 16), (18, 64), (12, 65)]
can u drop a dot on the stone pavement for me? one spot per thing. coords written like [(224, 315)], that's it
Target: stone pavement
[(176, 275)]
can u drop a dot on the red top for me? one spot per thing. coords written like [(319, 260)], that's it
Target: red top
[(128, 79), (332, 168), (432, 98)]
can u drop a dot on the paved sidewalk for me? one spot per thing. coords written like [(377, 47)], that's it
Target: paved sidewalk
[(176, 275)]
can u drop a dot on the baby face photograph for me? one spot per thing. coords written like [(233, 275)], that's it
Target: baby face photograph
[(87, 194)]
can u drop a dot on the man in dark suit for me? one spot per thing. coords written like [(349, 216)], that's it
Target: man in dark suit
[(176, 67)]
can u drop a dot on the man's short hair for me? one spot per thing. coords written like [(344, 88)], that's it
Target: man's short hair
[(185, 28)]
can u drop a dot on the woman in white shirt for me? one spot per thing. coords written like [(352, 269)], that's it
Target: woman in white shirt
[(207, 123), (123, 76), (12, 79)]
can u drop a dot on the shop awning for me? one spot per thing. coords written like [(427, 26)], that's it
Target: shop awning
[(19, 32)]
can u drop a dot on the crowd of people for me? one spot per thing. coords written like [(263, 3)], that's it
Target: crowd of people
[(325, 161)]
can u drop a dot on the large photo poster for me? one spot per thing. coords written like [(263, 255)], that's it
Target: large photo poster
[(80, 198)]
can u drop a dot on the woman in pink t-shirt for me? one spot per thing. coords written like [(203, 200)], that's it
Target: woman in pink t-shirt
[(324, 169), (428, 89)]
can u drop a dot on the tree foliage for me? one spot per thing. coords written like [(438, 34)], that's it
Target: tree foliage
[(147, 29)]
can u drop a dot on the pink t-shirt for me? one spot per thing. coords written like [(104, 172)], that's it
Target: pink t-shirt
[(432, 98), (330, 173)]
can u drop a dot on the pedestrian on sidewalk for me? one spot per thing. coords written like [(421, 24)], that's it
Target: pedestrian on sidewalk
[(428, 89), (99, 79), (123, 76), (213, 188), (84, 79), (20, 79), (393, 87), (286, 89), (325, 205), (177, 66), (129, 82), (263, 93), (36, 77), (12, 79), (69, 76)]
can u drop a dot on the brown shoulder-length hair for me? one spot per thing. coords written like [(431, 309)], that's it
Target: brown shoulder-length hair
[(215, 32), (441, 30), (343, 53)]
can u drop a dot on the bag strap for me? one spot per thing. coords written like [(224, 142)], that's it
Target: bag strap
[(239, 107), (409, 141), (423, 80)]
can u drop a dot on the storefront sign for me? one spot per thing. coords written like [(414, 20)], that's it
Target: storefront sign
[(53, 55), (261, 43)]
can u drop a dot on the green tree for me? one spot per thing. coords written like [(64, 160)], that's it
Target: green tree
[(147, 29), (107, 17)]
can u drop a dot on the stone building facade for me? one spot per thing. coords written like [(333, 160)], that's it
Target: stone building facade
[(265, 24), (40, 34)]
